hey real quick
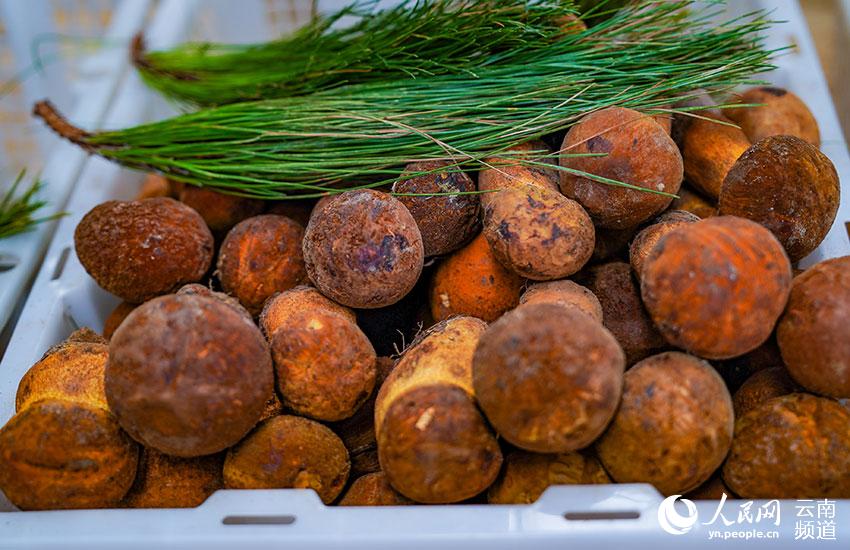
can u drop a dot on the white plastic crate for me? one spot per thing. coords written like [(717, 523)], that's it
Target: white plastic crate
[(599, 516)]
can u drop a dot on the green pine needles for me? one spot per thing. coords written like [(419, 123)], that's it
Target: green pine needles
[(643, 57), (17, 211), (415, 39)]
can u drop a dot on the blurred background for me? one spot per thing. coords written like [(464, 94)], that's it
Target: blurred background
[(68, 52), (829, 21)]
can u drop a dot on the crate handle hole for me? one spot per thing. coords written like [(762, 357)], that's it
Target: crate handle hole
[(607, 515), (258, 520), (7, 262), (60, 265)]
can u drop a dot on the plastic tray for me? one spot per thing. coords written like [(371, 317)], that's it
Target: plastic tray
[(615, 516)]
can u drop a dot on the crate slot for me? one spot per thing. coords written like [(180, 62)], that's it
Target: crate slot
[(606, 515), (258, 520), (60, 264), (8, 261)]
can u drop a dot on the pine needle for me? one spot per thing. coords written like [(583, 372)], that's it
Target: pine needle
[(414, 39), (643, 57), (16, 212)]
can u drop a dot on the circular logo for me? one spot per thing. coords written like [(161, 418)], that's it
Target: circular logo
[(671, 521)]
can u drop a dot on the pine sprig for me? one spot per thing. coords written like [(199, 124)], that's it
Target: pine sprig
[(16, 212), (414, 39), (643, 57)]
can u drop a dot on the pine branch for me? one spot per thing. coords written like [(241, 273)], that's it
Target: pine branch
[(643, 57), (16, 212), (412, 40)]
